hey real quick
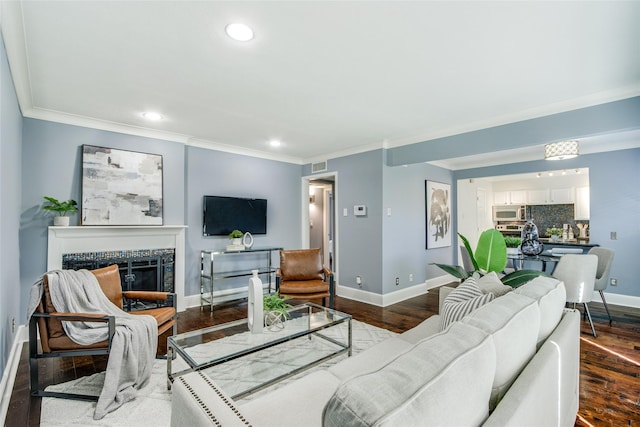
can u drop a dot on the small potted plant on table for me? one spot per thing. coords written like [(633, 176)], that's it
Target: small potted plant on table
[(275, 311), (62, 208), (236, 241), (513, 244)]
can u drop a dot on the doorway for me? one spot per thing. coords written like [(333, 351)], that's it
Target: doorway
[(319, 229)]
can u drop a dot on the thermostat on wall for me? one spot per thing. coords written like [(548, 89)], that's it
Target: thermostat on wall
[(359, 210)]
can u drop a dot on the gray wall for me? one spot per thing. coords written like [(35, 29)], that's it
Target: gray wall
[(404, 232), (52, 166), (217, 173), (359, 239), (10, 193), (615, 204)]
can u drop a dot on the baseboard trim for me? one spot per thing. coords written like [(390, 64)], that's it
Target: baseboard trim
[(9, 375), (617, 299), (395, 296)]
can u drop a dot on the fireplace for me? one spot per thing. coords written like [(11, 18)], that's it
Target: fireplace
[(140, 269), (149, 257)]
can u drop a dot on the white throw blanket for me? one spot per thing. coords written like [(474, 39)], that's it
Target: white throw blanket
[(134, 344)]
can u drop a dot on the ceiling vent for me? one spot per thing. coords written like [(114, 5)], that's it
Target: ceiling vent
[(319, 167)]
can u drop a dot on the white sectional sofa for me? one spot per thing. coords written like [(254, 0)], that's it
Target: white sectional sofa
[(511, 362)]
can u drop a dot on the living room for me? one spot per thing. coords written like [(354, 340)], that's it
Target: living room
[(41, 156)]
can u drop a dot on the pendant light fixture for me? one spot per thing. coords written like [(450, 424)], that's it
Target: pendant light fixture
[(561, 150)]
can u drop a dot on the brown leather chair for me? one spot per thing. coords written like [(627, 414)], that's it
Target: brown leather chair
[(55, 343), (301, 275)]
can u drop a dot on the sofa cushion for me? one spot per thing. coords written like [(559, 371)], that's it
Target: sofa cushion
[(462, 301), (422, 386), (513, 321), (371, 360), (551, 296), (491, 283), (427, 328), (299, 402)]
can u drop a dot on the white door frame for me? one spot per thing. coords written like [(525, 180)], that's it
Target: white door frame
[(304, 224)]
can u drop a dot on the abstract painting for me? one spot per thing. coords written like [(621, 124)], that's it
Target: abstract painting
[(438, 209), (120, 187)]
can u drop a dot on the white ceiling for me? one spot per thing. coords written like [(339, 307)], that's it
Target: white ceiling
[(325, 78)]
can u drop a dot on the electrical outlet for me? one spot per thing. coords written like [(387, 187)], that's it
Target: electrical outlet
[(411, 277), (13, 325), (359, 281), (614, 282), (614, 235), (397, 281)]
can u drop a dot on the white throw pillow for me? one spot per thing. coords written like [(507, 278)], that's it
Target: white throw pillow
[(491, 283), (462, 301)]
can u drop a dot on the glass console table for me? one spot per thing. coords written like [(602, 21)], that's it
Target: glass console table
[(213, 268)]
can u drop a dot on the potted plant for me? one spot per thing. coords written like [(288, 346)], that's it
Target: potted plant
[(275, 310), (554, 233), (62, 208), (513, 244), (236, 237)]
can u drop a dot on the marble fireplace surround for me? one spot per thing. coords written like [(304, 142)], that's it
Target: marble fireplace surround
[(64, 240)]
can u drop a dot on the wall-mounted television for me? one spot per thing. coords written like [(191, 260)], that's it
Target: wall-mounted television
[(222, 215)]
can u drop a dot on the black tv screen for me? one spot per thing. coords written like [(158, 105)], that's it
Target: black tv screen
[(222, 215)]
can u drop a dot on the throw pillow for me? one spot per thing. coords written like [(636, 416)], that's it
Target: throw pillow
[(462, 301), (491, 283)]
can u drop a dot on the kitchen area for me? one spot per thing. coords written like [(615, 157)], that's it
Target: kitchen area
[(557, 202)]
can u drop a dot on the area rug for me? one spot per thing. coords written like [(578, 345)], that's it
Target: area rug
[(152, 407)]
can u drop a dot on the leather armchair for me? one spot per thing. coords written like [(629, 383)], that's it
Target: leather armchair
[(55, 343), (301, 275)]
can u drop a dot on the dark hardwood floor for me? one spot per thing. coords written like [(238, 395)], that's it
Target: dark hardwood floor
[(609, 365)]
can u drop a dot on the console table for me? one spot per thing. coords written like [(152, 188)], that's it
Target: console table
[(210, 272)]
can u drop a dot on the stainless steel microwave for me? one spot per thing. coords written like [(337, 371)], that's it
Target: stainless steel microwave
[(509, 213)]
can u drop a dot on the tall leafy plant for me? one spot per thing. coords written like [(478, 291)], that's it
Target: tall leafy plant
[(490, 255)]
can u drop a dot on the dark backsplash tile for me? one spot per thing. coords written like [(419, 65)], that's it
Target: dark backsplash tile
[(553, 216)]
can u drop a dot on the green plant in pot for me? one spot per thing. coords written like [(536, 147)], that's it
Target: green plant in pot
[(62, 208), (275, 310), (513, 244), (490, 255), (554, 233)]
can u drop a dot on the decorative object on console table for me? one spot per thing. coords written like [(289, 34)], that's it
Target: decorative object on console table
[(236, 241), (105, 172), (62, 208), (255, 304), (247, 240), (438, 208)]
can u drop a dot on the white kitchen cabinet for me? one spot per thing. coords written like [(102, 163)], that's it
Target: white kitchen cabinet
[(581, 207), (501, 198), (538, 197), (560, 196), (551, 196), (516, 197)]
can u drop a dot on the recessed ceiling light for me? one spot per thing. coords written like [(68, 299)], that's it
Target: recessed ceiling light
[(275, 143), (150, 115), (239, 32)]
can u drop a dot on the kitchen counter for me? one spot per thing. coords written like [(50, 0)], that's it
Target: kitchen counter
[(574, 242)]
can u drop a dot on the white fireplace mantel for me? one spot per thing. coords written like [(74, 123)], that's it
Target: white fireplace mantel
[(65, 240)]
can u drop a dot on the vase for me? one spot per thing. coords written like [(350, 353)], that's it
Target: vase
[(274, 320), (554, 238), (255, 313)]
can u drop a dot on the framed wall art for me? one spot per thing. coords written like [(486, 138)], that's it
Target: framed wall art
[(438, 212), (120, 187)]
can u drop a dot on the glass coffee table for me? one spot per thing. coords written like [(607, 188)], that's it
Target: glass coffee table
[(242, 362)]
